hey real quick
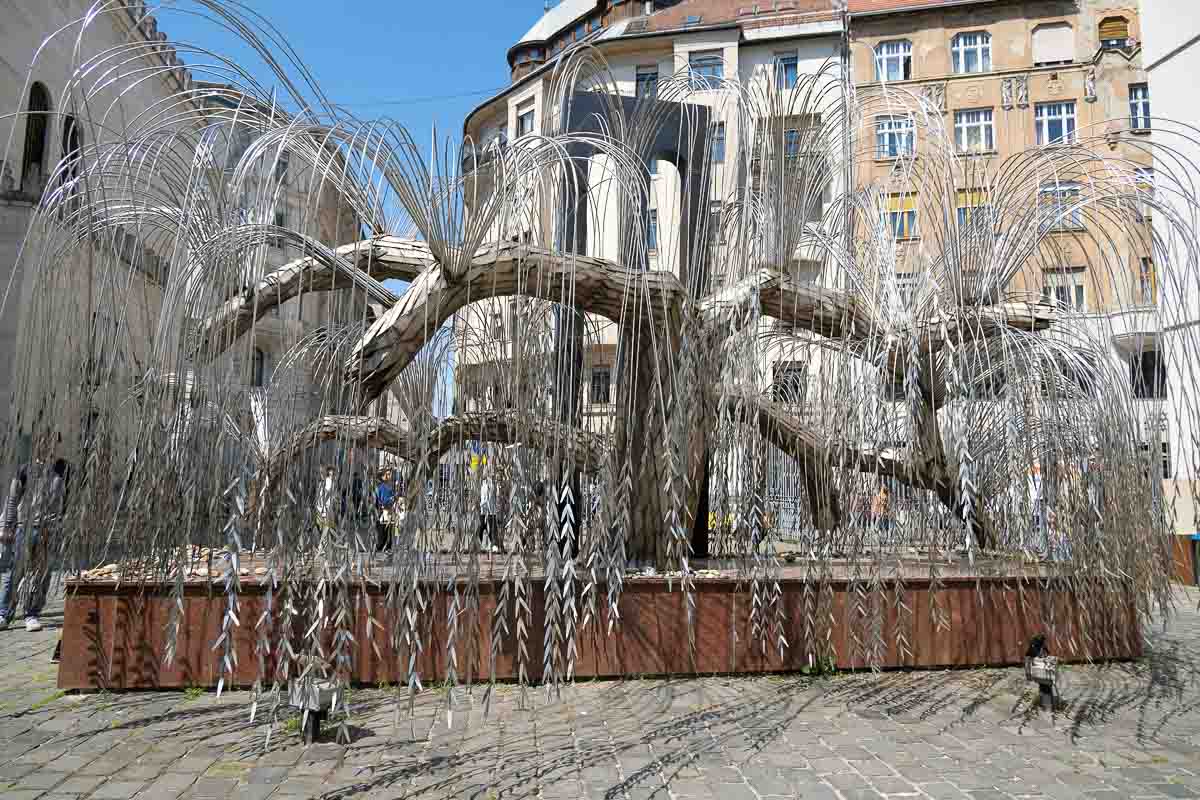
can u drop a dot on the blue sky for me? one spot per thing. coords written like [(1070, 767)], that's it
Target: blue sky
[(407, 60)]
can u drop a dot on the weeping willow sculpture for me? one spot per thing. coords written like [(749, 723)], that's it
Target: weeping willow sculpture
[(934, 368)]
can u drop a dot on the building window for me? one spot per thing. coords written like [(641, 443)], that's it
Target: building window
[(281, 169), (786, 65), (1144, 183), (652, 230), (259, 373), (789, 379), (973, 131), (580, 31), (972, 52), (516, 319), (718, 143), (1147, 282), (281, 220), (647, 82), (601, 385), (498, 325), (893, 60), (525, 118), (901, 215), (72, 148), (1064, 289), (33, 163), (791, 142), (707, 68), (596, 24), (1139, 106), (1055, 122), (1060, 208), (535, 54), (1114, 33), (972, 209), (1053, 44), (894, 137), (1148, 376)]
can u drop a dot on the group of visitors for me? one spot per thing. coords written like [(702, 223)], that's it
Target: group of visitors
[(31, 516)]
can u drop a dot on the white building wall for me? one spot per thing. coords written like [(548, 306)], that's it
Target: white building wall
[(1171, 52)]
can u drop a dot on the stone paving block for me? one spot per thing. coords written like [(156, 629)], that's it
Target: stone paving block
[(1174, 790), (22, 794), (861, 794), (79, 784), (734, 791), (211, 788), (893, 786), (943, 791), (988, 794), (42, 779), (15, 769), (117, 790)]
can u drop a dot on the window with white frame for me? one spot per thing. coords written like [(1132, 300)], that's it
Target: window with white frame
[(1059, 206), (1063, 288), (791, 142), (972, 209), (646, 82), (718, 143), (893, 60), (1054, 122), (707, 68), (525, 118), (900, 215), (1139, 106), (906, 288), (894, 137), (1144, 184), (973, 131), (786, 66), (601, 385), (1147, 282), (972, 52), (652, 230)]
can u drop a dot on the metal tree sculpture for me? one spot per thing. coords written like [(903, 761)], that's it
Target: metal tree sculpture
[(932, 366)]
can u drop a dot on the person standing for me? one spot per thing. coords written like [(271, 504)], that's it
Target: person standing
[(487, 513), (1037, 505), (30, 516), (326, 499), (385, 501), (881, 514)]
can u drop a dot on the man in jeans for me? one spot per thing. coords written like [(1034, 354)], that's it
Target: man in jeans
[(33, 506)]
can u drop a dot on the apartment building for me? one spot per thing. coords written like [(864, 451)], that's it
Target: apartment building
[(998, 79), (645, 45)]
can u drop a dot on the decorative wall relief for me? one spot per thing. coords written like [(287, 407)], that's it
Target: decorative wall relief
[(935, 94)]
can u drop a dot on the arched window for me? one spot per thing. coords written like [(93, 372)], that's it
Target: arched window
[(972, 52), (33, 164), (260, 367), (893, 60), (1114, 33), (72, 148)]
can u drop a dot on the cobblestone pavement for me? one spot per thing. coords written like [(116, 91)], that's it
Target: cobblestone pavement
[(1126, 731)]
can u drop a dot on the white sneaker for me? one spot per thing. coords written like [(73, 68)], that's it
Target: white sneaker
[(32, 624)]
